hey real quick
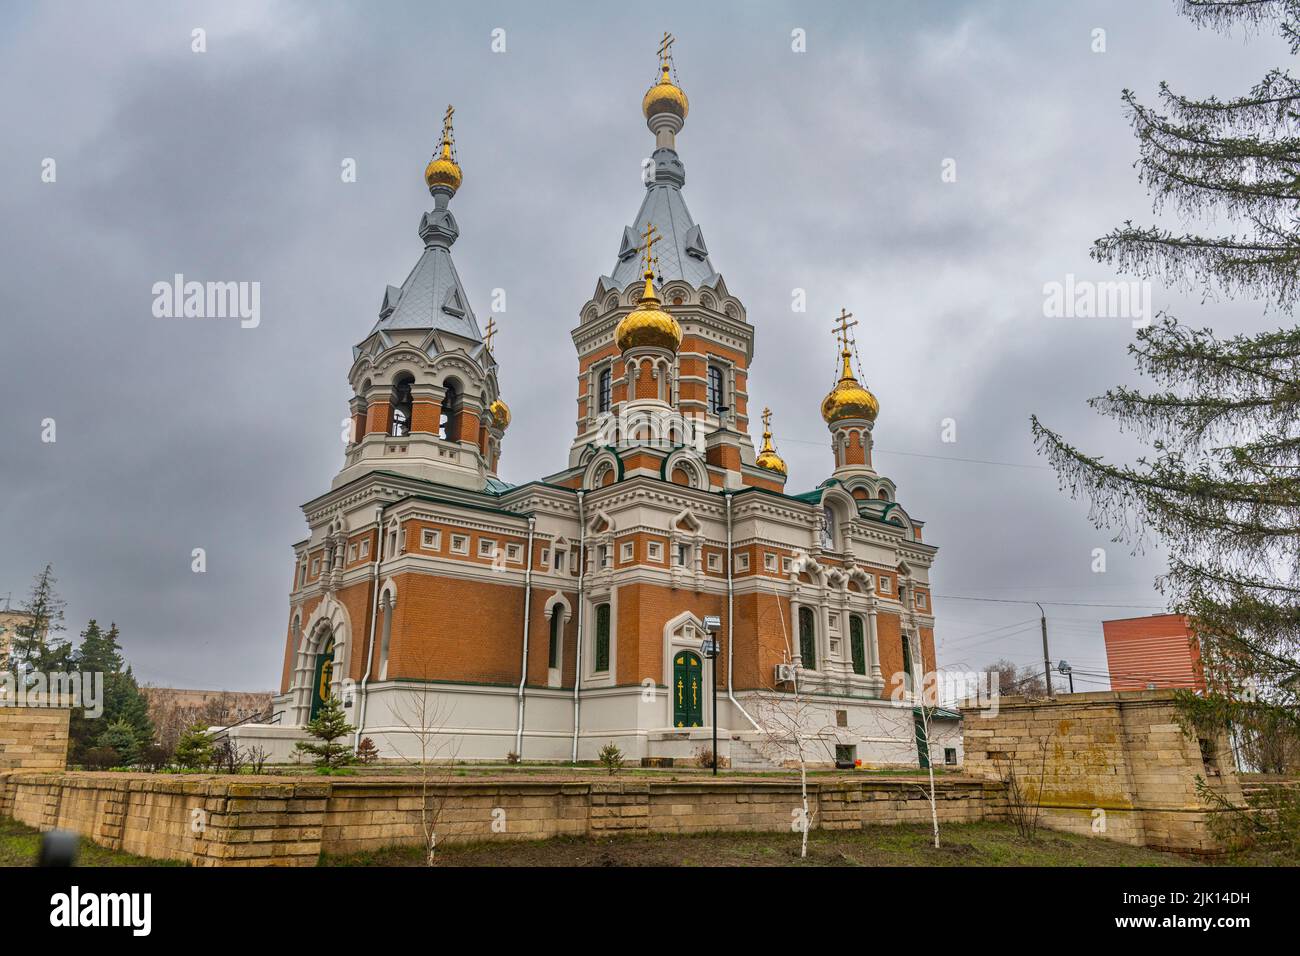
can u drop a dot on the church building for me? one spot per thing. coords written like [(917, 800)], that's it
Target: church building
[(456, 615)]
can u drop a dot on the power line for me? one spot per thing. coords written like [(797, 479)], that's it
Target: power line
[(962, 597)]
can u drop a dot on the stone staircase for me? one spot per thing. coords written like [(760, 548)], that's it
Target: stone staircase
[(746, 756)]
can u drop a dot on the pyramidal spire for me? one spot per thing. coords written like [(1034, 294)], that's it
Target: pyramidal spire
[(683, 254), (432, 296)]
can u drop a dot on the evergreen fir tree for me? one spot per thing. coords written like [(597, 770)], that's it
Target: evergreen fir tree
[(36, 645), (194, 749), (1221, 486), (101, 653), (329, 726), (120, 736)]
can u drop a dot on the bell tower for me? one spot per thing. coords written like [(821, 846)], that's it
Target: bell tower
[(425, 395)]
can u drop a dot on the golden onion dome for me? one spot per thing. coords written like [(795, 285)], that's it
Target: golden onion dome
[(500, 413), (767, 456), (665, 97), (648, 324), (848, 399), (443, 170)]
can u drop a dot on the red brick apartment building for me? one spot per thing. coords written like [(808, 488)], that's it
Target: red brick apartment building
[(1158, 651)]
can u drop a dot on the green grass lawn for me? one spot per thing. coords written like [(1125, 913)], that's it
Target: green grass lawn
[(970, 844), (20, 845)]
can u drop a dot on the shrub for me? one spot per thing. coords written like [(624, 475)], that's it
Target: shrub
[(367, 752), (194, 749), (611, 758)]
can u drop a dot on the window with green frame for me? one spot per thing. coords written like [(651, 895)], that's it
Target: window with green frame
[(602, 638), (557, 623), (858, 645), (907, 662), (807, 639)]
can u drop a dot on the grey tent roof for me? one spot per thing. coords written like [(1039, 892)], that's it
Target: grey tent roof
[(432, 297), (682, 252)]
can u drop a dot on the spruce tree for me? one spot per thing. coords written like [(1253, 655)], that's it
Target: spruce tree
[(194, 749), (120, 736), (329, 726), (1220, 487), (36, 645)]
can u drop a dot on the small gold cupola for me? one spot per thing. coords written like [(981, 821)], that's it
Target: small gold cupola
[(848, 399), (648, 325), (665, 96), (443, 173), (767, 456)]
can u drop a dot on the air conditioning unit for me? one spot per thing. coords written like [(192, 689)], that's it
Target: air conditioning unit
[(785, 673)]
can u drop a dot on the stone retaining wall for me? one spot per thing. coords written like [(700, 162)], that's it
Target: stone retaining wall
[(33, 738), (1111, 764), (225, 821)]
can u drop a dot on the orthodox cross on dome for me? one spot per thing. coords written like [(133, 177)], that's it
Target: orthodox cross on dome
[(651, 236), (666, 49), (767, 420), (841, 330), (448, 138), (490, 332)]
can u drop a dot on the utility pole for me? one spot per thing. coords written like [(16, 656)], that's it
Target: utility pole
[(1047, 658)]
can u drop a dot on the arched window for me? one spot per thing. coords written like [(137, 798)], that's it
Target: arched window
[(447, 418), (386, 609), (807, 639), (557, 626), (602, 639), (828, 526), (716, 397), (604, 390), (402, 405), (858, 645)]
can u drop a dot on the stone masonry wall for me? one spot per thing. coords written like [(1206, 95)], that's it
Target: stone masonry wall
[(33, 738), (230, 821), (1110, 764)]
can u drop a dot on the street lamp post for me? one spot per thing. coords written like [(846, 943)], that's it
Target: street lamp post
[(713, 624)]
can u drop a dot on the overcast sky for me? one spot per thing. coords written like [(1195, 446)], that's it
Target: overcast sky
[(818, 170)]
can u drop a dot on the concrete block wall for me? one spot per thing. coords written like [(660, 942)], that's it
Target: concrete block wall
[(34, 738), (1111, 764), (232, 821)]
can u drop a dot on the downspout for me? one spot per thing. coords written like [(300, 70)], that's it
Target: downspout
[(374, 613), (523, 666), (577, 663), (731, 618)]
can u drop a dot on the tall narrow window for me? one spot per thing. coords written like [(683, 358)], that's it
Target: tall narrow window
[(807, 639), (858, 645), (553, 656), (604, 390), (828, 527), (447, 419), (602, 638), (716, 398), (386, 608), (402, 405), (907, 662)]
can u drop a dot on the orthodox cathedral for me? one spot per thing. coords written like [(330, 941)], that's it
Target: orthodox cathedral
[(595, 605)]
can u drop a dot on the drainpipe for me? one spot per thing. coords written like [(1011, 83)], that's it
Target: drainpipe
[(731, 619), (577, 663), (374, 613), (523, 667)]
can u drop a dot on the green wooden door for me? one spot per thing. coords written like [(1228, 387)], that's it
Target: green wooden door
[(922, 742), (688, 690), (324, 676)]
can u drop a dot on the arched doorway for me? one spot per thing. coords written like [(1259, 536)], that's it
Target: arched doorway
[(322, 676), (688, 690)]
